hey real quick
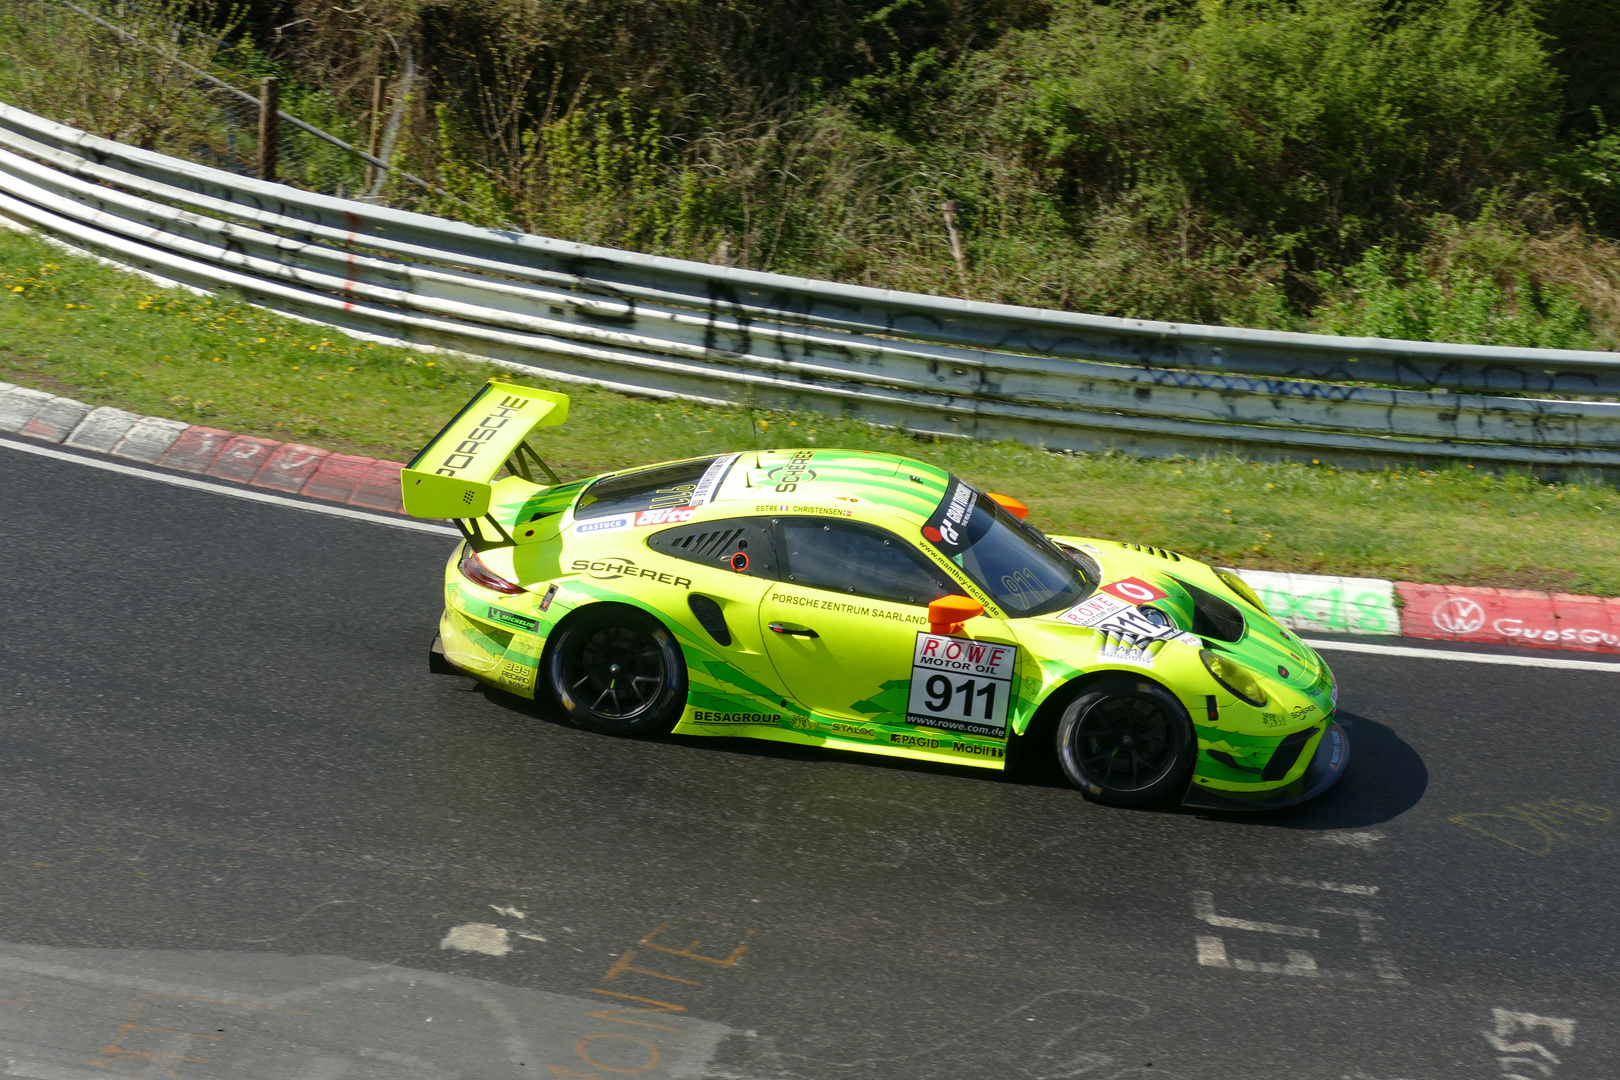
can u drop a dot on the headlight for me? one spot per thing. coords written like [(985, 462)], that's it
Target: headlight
[(1241, 587), (1234, 677)]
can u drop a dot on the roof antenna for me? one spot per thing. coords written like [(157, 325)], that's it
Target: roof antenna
[(753, 428)]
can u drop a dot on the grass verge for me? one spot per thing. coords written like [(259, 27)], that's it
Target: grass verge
[(75, 327)]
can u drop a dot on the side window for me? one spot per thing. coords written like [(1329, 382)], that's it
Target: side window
[(741, 545), (846, 557)]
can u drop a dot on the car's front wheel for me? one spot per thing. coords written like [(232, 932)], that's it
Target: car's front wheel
[(1125, 741), (618, 671)]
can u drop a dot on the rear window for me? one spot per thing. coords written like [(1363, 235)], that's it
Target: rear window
[(657, 488)]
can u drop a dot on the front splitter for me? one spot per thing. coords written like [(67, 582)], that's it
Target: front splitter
[(1327, 765)]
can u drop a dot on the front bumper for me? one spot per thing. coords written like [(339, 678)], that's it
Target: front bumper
[(1327, 765)]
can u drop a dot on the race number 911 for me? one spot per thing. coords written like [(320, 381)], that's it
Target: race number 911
[(958, 684)]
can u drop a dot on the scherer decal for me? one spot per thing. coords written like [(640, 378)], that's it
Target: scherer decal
[(797, 471), (616, 568), (962, 685)]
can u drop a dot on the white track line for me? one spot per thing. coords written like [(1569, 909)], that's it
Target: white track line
[(234, 492), (442, 530), (1466, 657)]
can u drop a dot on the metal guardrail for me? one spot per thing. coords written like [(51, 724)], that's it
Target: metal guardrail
[(646, 324)]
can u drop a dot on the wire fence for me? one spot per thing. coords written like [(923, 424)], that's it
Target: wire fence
[(156, 83)]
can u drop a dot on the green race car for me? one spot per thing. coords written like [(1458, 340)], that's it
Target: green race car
[(867, 602)]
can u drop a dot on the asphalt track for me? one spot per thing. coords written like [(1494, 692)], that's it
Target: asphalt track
[(240, 821)]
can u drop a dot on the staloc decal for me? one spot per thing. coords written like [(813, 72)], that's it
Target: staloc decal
[(615, 569)]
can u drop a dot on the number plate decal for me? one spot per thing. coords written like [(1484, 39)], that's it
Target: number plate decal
[(958, 684)]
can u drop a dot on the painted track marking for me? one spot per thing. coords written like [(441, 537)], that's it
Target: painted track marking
[(238, 493)]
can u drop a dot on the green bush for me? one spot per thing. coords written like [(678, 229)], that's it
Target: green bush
[(1274, 163)]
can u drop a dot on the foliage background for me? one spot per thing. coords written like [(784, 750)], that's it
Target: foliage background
[(1441, 169)]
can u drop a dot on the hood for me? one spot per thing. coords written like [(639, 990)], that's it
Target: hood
[(1195, 599)]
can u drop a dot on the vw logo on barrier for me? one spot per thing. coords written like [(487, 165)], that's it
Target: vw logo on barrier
[(1459, 615)]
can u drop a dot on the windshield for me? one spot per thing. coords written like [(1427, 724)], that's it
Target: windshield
[(1023, 571)]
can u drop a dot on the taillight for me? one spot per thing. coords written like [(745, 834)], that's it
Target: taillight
[(473, 569)]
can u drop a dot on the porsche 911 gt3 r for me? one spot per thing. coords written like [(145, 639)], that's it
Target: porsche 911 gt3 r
[(867, 602)]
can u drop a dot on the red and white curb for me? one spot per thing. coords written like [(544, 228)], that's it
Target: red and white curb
[(1308, 602), (293, 468)]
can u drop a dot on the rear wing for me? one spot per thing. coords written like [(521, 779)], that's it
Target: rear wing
[(452, 476)]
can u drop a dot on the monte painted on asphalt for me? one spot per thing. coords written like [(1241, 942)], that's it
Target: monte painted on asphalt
[(247, 834)]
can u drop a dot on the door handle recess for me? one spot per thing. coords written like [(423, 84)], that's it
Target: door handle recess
[(792, 631)]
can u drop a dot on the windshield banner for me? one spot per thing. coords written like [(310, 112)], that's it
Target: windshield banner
[(947, 528)]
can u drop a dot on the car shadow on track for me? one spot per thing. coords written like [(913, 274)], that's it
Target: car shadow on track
[(1385, 777)]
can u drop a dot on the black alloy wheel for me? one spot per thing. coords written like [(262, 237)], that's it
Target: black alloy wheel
[(1126, 741), (618, 671)]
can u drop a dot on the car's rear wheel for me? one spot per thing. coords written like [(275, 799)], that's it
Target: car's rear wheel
[(617, 670), (1126, 741)]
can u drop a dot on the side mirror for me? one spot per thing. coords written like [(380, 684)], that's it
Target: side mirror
[(1013, 506), (947, 614)]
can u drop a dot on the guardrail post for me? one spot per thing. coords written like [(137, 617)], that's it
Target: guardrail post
[(269, 110)]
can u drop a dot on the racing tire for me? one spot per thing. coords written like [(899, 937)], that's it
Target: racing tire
[(1126, 741), (618, 671)]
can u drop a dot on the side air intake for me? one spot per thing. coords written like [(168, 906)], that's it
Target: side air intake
[(710, 617)]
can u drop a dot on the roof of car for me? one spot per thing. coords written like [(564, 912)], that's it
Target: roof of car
[(836, 478)]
